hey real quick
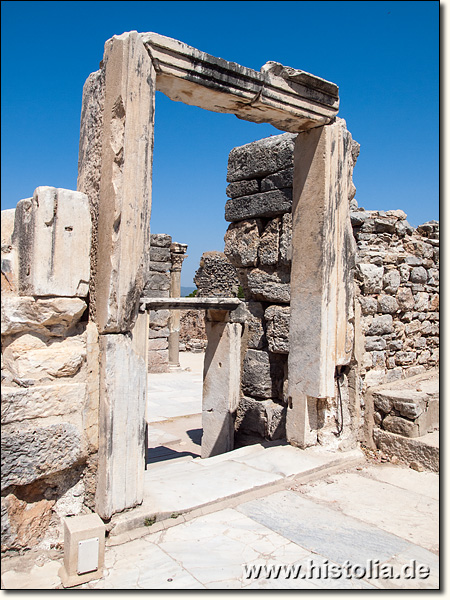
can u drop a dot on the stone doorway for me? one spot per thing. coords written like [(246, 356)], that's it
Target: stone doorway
[(115, 171)]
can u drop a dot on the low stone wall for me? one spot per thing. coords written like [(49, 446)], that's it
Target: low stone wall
[(49, 368), (192, 331)]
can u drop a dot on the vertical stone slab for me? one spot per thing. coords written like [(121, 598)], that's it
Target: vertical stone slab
[(8, 253), (321, 274), (221, 384), (120, 178), (123, 395), (177, 254), (52, 233)]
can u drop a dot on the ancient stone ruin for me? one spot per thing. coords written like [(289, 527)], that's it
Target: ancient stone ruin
[(336, 299)]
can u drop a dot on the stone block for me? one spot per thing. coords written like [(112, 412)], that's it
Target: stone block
[(269, 243), (387, 304), (263, 375), (50, 316), (278, 319), (368, 305), (158, 344), (371, 277), (123, 397), (59, 399), (157, 281), (381, 325), (84, 549), (243, 188), (9, 259), (221, 384), (281, 179), (160, 332), (400, 426), (29, 357), (252, 315), (265, 204), (158, 361), (262, 417), (268, 284), (24, 524), (261, 158), (160, 240), (159, 318), (115, 169), (31, 453), (418, 275), (242, 242), (160, 254), (159, 267), (373, 342), (52, 233)]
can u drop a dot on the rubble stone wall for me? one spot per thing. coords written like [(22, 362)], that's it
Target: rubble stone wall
[(397, 278), (49, 368)]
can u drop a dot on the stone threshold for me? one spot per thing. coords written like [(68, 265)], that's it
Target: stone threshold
[(180, 490)]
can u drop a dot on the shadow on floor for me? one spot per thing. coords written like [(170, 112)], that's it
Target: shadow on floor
[(162, 453), (195, 436)]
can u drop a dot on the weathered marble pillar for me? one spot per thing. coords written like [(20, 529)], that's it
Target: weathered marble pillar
[(177, 255), (221, 383), (115, 172), (322, 286)]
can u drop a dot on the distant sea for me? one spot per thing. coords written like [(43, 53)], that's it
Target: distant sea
[(186, 290)]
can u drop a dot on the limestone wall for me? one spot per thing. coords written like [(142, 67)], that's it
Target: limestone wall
[(49, 368), (258, 244)]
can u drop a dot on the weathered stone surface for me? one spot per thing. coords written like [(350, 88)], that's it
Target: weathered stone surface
[(251, 314), (158, 344), (286, 239), (408, 449), (405, 298), (268, 285), (20, 404), (282, 179), (221, 383), (264, 204), (24, 524), (242, 242), (269, 244), (371, 277), (262, 417), (159, 318), (391, 281), (123, 397), (322, 277), (9, 261), (216, 277), (373, 342), (261, 158), (118, 180), (159, 254), (52, 233), (33, 453), (243, 188), (277, 319), (381, 325), (262, 375), (387, 304), (418, 275), (52, 316), (400, 426), (29, 357), (288, 98), (160, 240), (158, 361), (157, 281)]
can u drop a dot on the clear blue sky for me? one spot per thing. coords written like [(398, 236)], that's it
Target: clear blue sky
[(383, 55)]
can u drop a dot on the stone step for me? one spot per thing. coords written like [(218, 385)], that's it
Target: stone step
[(423, 450), (408, 407), (174, 489)]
